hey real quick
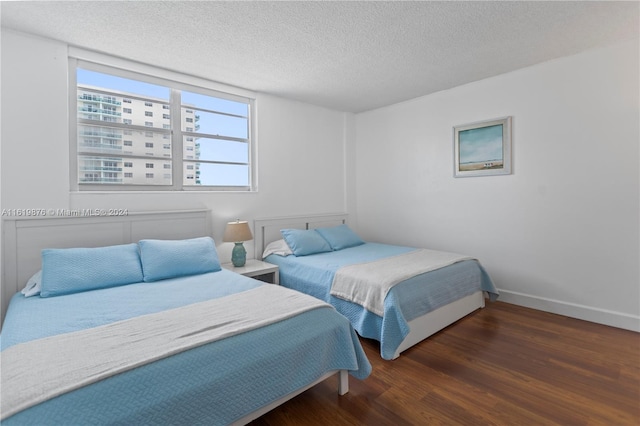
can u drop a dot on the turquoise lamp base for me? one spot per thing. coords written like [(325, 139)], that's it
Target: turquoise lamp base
[(238, 255)]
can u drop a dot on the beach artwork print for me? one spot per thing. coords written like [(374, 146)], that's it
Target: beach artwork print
[(483, 148)]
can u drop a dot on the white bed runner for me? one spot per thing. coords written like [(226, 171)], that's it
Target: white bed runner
[(35, 371), (367, 284)]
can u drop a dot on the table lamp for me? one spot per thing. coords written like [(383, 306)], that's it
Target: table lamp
[(237, 232)]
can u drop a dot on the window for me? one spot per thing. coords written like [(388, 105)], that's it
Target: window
[(204, 131), (100, 169)]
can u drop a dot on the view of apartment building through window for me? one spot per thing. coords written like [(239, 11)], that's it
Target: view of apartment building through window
[(144, 149), (127, 136)]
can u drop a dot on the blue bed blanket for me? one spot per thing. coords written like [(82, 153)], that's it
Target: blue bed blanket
[(216, 383), (406, 301)]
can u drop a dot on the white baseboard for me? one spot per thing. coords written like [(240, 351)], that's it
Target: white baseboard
[(587, 313)]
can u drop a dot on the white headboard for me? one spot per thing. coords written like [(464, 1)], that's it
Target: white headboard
[(268, 230), (25, 237)]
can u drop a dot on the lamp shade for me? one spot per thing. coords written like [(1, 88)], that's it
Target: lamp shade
[(237, 231)]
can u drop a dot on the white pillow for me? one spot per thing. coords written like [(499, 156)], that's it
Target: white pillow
[(33, 285), (279, 247)]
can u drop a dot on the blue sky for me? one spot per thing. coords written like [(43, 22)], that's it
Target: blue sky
[(482, 144), (122, 84)]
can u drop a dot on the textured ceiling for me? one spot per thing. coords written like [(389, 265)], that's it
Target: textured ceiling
[(349, 56)]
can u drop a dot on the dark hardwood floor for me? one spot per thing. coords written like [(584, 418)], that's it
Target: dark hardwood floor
[(502, 365)]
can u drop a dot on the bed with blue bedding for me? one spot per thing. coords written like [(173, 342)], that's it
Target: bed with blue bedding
[(70, 340), (423, 297)]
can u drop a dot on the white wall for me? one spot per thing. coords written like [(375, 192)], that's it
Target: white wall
[(562, 232), (301, 168)]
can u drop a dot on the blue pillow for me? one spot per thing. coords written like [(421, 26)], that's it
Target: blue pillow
[(66, 271), (163, 259), (305, 242), (340, 237)]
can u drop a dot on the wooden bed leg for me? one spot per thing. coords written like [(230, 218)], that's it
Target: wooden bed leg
[(343, 382)]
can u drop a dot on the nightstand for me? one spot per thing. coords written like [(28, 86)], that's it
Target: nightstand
[(257, 269)]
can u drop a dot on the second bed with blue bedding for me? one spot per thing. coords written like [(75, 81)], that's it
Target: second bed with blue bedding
[(307, 264)]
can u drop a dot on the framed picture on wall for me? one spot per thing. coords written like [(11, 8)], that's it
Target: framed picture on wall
[(483, 148)]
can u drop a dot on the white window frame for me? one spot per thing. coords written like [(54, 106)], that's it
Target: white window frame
[(80, 58)]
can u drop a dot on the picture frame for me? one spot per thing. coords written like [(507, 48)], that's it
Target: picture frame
[(483, 148)]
